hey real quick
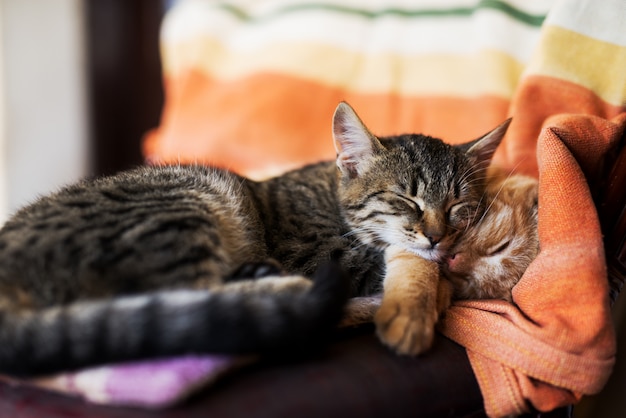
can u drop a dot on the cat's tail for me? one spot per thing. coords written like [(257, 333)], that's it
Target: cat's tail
[(246, 316)]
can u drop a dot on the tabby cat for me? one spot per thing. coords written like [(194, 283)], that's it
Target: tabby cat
[(167, 260), (490, 258)]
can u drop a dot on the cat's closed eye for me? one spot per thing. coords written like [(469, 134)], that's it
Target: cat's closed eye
[(416, 206), (455, 209), (498, 249), (460, 213)]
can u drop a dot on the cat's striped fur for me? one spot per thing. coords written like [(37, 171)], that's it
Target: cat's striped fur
[(165, 260)]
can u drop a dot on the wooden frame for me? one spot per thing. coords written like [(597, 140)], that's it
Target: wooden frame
[(124, 79)]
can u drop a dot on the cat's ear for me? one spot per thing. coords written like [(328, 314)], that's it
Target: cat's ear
[(354, 143), (481, 150), (527, 191), (513, 187)]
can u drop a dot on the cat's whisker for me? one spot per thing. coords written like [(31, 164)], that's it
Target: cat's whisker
[(365, 231), (354, 232), (241, 183), (477, 179), (349, 234), (476, 212), (509, 175), (489, 206), (454, 229), (472, 172), (495, 196), (465, 176)]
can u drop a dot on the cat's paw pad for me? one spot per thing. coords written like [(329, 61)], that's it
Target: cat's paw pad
[(256, 270), (404, 329)]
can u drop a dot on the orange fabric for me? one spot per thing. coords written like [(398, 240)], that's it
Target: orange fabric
[(537, 98), (557, 342), (290, 124)]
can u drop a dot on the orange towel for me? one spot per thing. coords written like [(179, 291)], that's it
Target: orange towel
[(557, 342)]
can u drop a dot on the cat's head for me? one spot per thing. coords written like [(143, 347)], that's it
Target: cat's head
[(491, 256), (411, 191)]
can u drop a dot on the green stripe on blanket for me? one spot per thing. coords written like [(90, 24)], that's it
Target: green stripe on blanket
[(512, 12)]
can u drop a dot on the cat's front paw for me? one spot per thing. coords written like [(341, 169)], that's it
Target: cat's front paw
[(407, 329)]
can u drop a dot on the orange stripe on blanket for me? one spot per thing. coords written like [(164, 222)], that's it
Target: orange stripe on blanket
[(266, 123)]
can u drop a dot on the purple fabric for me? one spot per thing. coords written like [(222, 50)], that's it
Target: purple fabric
[(150, 384), (163, 382)]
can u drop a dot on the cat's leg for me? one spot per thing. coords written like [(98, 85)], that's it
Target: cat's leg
[(256, 270), (271, 284), (328, 278), (360, 310), (444, 295), (409, 309)]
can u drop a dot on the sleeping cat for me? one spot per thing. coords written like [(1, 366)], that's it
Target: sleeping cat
[(168, 260), (490, 258)]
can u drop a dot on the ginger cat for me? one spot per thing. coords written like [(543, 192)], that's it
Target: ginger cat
[(490, 257)]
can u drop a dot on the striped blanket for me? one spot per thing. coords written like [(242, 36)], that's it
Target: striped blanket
[(265, 76), (251, 85)]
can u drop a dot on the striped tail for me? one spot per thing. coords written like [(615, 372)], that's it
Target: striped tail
[(242, 317)]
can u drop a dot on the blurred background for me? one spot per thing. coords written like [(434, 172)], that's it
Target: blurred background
[(80, 84)]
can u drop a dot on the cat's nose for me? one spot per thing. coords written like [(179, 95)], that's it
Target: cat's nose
[(453, 261), (434, 239)]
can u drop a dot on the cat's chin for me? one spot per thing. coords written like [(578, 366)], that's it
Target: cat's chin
[(429, 254)]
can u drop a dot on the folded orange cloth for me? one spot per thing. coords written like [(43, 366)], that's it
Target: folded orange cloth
[(537, 98), (556, 342)]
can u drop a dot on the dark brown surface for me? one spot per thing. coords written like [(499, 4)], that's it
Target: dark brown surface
[(355, 376), (612, 212)]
